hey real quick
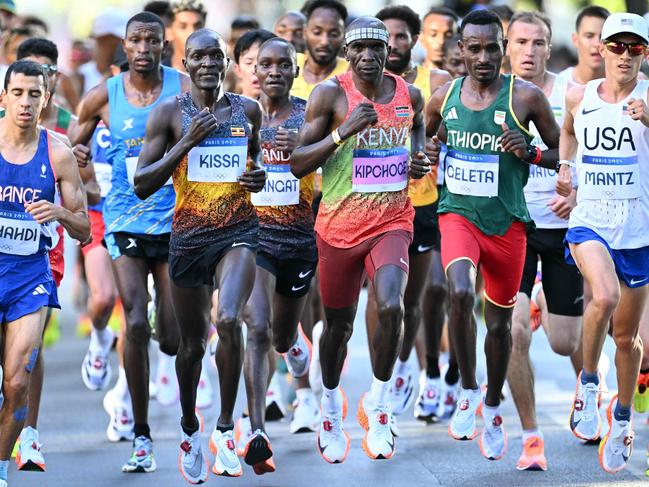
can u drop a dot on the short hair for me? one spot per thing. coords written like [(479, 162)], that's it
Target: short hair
[(591, 11), (188, 6), (11, 34), (37, 46), (29, 21), (532, 18), (28, 68), (451, 42), (402, 12), (146, 18), (445, 11), (249, 39), (244, 22), (288, 44), (505, 12), (481, 17), (161, 8), (312, 5)]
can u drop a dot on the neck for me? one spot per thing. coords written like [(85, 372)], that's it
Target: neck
[(484, 88), (48, 111), (145, 81), (274, 106), (207, 98), (430, 64), (409, 67), (540, 80), (583, 73), (369, 88), (618, 91), (177, 60), (18, 137)]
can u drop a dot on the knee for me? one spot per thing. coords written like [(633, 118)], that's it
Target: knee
[(390, 311), (412, 312), (15, 387), (228, 326), (627, 342), (138, 332), (462, 297), (338, 330), (260, 333), (104, 300), (565, 345), (521, 337), (606, 302), (193, 349), (168, 346), (500, 330), (437, 292)]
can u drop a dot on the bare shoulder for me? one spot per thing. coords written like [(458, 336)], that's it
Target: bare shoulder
[(326, 90), (61, 155), (185, 81), (574, 95), (527, 92), (97, 97), (251, 107), (438, 96)]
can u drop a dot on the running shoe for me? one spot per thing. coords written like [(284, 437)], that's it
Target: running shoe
[(394, 426), (142, 459), (533, 456), (29, 456), (616, 447), (204, 392), (95, 371), (226, 461), (401, 392), (3, 483), (463, 424), (120, 425), (585, 421), (306, 414), (166, 381), (333, 440), (378, 443), (298, 356), (448, 400), (428, 401), (275, 409), (192, 464), (641, 397), (242, 433), (259, 454), (493, 440), (315, 371)]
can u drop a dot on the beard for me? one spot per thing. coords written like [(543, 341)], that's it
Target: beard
[(400, 65)]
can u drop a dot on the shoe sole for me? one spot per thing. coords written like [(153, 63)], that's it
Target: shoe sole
[(361, 416), (273, 412), (499, 457), (602, 445), (465, 437), (532, 467), (141, 469), (29, 466), (194, 481), (258, 455), (328, 460), (85, 377), (304, 429), (215, 470)]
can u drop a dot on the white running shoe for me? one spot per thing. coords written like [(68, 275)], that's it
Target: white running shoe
[(616, 447), (142, 459), (401, 392), (204, 392), (166, 381), (306, 415), (428, 401), (315, 371), (463, 424), (29, 456), (192, 464), (585, 421), (394, 426), (298, 356), (493, 440), (378, 442), (120, 425), (242, 433), (226, 462), (333, 440), (95, 371), (448, 400), (275, 409), (3, 483)]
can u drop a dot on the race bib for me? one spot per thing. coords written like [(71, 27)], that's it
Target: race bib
[(541, 179), (19, 233), (380, 170), (218, 160), (471, 174), (104, 173), (281, 188), (609, 178), (131, 165)]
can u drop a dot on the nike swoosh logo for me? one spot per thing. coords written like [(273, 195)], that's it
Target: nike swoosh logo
[(586, 112), (304, 274), (237, 244), (633, 282), (403, 262), (421, 248), (131, 243), (293, 288), (580, 298)]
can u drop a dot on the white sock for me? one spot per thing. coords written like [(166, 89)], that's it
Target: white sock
[(402, 368), (331, 401), (121, 386), (490, 411), (527, 434), (101, 340), (378, 394)]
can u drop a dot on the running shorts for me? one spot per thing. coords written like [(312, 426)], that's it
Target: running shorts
[(293, 276), (97, 228), (500, 258), (426, 230), (138, 246), (26, 286), (631, 265), (199, 269), (342, 271), (563, 285)]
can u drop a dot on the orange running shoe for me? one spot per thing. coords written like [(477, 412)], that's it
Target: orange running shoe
[(533, 456)]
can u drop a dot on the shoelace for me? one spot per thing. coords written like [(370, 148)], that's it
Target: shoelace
[(623, 439), (335, 428), (590, 401)]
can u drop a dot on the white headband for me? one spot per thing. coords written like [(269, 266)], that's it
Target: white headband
[(363, 33)]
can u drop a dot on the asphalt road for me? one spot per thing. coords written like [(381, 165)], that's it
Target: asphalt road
[(73, 422)]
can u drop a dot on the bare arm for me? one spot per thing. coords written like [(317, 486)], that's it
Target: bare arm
[(434, 110), (92, 108), (253, 180), (568, 141), (73, 214)]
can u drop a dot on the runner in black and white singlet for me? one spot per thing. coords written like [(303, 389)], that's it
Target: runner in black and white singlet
[(607, 129)]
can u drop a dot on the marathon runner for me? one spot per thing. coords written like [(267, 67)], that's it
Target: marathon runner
[(365, 220), (529, 40), (290, 27), (245, 61), (439, 24), (483, 216), (606, 128), (32, 165), (137, 232), (187, 16), (215, 161)]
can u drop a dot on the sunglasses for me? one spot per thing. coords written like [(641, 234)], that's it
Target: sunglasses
[(49, 68), (634, 48)]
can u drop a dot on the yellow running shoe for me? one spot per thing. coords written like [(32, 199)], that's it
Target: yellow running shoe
[(641, 397)]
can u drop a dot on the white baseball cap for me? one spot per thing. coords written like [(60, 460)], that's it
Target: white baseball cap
[(625, 23), (110, 23)]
